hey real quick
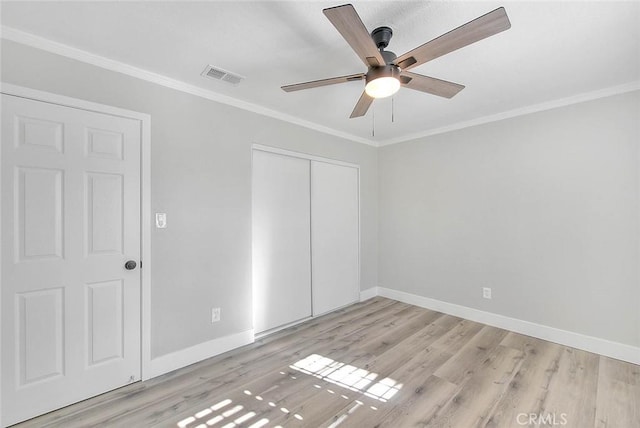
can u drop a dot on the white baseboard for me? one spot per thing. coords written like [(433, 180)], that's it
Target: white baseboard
[(369, 293), (620, 351), (175, 360), (596, 345)]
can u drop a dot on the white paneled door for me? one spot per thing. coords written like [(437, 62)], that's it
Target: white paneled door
[(70, 222), (281, 240), (335, 236)]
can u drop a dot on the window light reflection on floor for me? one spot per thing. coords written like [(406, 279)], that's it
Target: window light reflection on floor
[(233, 415), (227, 414), (348, 376)]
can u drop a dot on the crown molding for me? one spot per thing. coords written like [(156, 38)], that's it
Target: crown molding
[(61, 49), (562, 102)]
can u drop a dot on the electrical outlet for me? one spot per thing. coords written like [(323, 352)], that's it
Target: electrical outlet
[(215, 314), (486, 292)]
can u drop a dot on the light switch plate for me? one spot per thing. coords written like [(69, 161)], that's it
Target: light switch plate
[(161, 220)]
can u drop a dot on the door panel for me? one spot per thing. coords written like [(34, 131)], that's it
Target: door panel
[(104, 213), (70, 220), (38, 211), (40, 336), (105, 322), (281, 240), (334, 236), (104, 144), (39, 134)]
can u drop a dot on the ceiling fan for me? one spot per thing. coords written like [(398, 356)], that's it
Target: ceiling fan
[(386, 71)]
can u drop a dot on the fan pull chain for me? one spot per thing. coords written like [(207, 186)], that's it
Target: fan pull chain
[(392, 109), (373, 120)]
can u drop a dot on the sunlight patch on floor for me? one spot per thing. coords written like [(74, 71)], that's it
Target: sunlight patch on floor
[(348, 376), (227, 414), (233, 416)]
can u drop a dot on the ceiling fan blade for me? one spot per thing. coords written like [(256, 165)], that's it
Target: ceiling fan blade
[(322, 82), (348, 23), (431, 85), (362, 106), (480, 28)]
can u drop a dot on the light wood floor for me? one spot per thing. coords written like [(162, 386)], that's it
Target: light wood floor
[(379, 363)]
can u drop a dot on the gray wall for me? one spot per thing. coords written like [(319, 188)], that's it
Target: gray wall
[(201, 177), (543, 208)]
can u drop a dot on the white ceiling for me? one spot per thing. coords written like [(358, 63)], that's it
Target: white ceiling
[(553, 50)]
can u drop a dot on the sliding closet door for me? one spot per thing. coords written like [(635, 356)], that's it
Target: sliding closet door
[(334, 236), (281, 240)]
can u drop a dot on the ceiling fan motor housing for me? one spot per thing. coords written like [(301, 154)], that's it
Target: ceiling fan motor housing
[(382, 71)]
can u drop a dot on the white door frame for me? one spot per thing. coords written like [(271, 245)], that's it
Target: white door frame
[(145, 198)]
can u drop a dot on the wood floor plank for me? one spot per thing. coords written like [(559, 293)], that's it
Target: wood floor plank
[(459, 335), (424, 401), (480, 392), (530, 385), (619, 371), (572, 389), (384, 364), (618, 396), (617, 405), (471, 355)]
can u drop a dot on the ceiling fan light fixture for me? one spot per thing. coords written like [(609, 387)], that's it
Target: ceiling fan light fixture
[(382, 81), (386, 71), (382, 87)]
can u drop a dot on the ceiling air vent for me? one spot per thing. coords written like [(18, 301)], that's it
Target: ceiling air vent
[(218, 73)]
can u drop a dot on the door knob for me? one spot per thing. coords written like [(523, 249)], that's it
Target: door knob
[(130, 265)]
